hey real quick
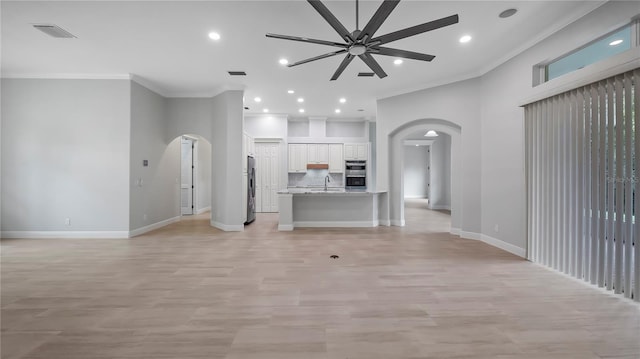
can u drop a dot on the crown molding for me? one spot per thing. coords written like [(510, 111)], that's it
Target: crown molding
[(148, 84), (62, 76), (208, 94)]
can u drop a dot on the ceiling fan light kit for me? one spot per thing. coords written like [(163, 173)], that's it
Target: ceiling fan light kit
[(362, 43)]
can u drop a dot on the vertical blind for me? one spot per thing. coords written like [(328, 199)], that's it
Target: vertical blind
[(582, 154)]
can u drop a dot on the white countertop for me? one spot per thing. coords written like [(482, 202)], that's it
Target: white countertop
[(320, 191)]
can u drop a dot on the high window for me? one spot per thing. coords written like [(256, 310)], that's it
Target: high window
[(609, 45)]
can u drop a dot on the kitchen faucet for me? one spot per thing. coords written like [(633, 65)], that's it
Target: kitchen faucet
[(326, 179)]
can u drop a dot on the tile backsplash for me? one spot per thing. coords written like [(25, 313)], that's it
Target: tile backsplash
[(315, 178)]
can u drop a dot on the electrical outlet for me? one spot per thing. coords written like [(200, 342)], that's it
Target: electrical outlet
[(67, 221), (144, 217), (496, 228)]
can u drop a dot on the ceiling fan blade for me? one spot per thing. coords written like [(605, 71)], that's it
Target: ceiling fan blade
[(415, 30), (324, 56), (387, 51), (373, 64), (343, 65), (331, 19), (378, 18), (306, 39)]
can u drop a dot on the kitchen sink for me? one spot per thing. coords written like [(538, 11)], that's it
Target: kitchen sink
[(322, 190)]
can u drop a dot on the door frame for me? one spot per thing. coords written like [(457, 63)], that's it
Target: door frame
[(282, 166), (194, 173)]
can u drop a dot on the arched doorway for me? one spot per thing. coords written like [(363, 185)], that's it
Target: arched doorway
[(396, 166)]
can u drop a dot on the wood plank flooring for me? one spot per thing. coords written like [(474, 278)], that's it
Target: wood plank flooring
[(191, 291)]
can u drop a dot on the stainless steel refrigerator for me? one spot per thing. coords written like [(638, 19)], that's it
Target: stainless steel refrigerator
[(251, 189)]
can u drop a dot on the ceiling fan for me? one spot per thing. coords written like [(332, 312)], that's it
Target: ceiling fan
[(361, 43)]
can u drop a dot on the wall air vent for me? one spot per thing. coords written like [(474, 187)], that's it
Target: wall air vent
[(54, 31), (237, 73), (365, 74)]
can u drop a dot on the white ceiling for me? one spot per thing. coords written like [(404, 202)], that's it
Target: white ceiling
[(166, 44)]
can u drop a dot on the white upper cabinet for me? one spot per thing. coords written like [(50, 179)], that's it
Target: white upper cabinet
[(318, 153), (336, 159), (356, 151), (297, 157)]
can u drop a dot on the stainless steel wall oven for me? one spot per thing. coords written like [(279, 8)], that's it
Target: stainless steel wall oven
[(356, 174)]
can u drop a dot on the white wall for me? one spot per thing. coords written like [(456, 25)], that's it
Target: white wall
[(226, 161), (441, 173), (65, 154), (416, 159), (203, 182), (267, 128), (453, 107), (157, 197), (317, 130), (188, 116), (491, 120), (503, 91)]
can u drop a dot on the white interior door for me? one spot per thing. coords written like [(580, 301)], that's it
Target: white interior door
[(428, 174), (186, 175), (267, 176)]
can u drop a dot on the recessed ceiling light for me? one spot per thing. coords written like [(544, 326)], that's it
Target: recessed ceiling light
[(465, 38), (397, 61), (300, 99), (417, 145), (290, 91), (283, 61), (265, 110), (257, 99), (431, 133), (343, 100), (508, 13), (615, 42), (338, 110), (214, 36), (301, 110)]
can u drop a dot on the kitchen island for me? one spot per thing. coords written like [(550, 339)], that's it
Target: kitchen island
[(334, 207)]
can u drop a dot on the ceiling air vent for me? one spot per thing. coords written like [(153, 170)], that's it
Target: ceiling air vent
[(54, 31), (365, 74), (237, 73)]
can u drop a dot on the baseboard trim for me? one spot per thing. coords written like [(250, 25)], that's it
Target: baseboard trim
[(285, 227), (337, 224), (384, 222), (397, 222), (455, 231), (203, 210), (64, 234), (470, 235), (228, 227), (151, 227), (440, 207), (520, 252)]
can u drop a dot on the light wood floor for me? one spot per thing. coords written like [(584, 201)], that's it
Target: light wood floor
[(190, 291)]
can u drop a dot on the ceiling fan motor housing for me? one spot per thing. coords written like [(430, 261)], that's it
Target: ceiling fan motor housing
[(362, 44), (357, 49)]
